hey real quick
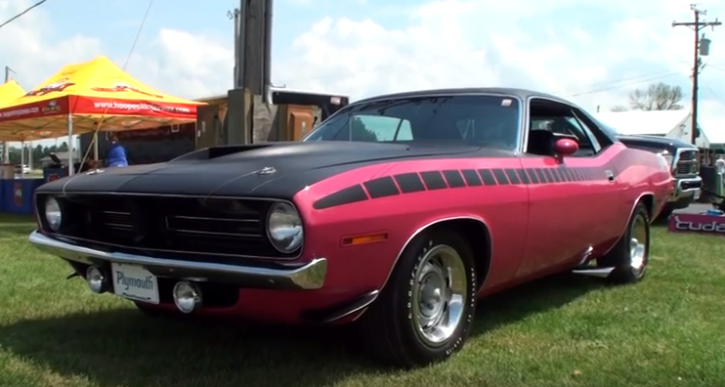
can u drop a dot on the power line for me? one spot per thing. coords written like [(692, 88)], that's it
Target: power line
[(651, 78), (632, 78), (94, 141), (22, 13), (716, 95)]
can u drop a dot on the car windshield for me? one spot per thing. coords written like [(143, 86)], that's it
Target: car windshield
[(479, 120)]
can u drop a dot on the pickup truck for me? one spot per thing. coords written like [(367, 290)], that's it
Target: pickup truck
[(682, 156)]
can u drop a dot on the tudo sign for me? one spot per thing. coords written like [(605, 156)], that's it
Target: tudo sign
[(700, 223)]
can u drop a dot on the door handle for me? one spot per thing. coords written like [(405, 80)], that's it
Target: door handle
[(610, 175)]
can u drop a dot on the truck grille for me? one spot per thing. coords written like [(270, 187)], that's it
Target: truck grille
[(687, 164), (218, 230)]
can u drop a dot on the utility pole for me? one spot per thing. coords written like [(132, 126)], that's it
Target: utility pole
[(236, 16), (6, 146), (252, 39), (697, 26)]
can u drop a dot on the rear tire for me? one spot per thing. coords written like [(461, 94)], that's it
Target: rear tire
[(426, 311), (630, 256)]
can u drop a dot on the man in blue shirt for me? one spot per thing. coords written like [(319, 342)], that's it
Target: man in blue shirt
[(116, 156)]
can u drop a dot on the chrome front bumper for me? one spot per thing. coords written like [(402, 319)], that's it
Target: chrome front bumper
[(308, 276), (686, 188)]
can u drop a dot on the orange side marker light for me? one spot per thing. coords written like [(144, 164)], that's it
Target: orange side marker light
[(363, 239)]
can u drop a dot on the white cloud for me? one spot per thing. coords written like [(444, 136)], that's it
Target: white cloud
[(28, 48), (558, 46), (565, 47)]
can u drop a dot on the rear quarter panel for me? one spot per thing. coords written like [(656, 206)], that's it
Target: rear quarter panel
[(640, 173)]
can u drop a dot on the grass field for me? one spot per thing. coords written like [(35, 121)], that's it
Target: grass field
[(562, 331)]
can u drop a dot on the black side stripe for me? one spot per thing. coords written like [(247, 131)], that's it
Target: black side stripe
[(513, 178), (472, 178), (500, 176), (487, 176), (348, 195), (523, 176), (454, 178), (433, 180), (409, 182), (564, 174), (405, 183), (381, 187)]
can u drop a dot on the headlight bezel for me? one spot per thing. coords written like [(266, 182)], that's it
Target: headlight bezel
[(292, 242), (52, 213)]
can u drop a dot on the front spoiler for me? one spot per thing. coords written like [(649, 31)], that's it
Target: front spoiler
[(308, 276)]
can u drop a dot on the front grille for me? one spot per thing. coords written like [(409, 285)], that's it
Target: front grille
[(114, 220), (687, 164), (219, 230)]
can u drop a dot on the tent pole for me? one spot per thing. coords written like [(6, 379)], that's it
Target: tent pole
[(70, 145), (22, 157), (95, 145)]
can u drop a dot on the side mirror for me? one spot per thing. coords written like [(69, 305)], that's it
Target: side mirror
[(565, 147)]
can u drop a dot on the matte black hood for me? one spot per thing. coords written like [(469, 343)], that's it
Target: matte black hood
[(232, 170)]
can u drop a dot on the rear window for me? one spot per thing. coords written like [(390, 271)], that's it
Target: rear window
[(480, 120)]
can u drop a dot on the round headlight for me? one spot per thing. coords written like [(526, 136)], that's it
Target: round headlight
[(284, 227), (52, 213)]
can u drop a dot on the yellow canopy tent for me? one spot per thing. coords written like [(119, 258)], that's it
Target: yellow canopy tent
[(80, 96), (9, 92)]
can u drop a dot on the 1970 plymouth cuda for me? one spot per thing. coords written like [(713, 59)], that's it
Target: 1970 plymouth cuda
[(395, 214)]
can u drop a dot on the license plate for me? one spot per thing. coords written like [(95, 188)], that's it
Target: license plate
[(135, 283), (697, 195)]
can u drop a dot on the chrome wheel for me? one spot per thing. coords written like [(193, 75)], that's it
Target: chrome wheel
[(439, 294), (638, 244)]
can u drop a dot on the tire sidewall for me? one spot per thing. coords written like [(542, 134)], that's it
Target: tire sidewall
[(410, 261), (640, 211)]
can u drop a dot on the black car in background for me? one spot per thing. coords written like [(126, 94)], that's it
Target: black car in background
[(684, 159)]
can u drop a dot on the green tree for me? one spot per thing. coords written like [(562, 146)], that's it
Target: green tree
[(360, 132)]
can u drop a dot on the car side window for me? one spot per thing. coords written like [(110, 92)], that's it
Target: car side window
[(556, 118), (584, 133), (595, 132)]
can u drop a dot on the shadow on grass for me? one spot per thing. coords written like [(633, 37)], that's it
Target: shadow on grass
[(123, 347)]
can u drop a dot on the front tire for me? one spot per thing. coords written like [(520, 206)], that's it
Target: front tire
[(630, 256), (426, 311)]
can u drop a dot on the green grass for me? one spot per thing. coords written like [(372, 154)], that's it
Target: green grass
[(563, 331)]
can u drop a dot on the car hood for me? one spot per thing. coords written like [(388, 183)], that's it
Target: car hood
[(240, 170), (654, 143)]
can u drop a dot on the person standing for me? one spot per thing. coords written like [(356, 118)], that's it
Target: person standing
[(116, 155), (720, 164)]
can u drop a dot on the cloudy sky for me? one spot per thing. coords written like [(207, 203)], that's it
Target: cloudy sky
[(592, 52)]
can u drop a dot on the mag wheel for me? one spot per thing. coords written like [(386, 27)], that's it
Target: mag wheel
[(630, 256), (426, 311)]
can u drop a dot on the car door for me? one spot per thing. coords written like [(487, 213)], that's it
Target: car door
[(572, 198)]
